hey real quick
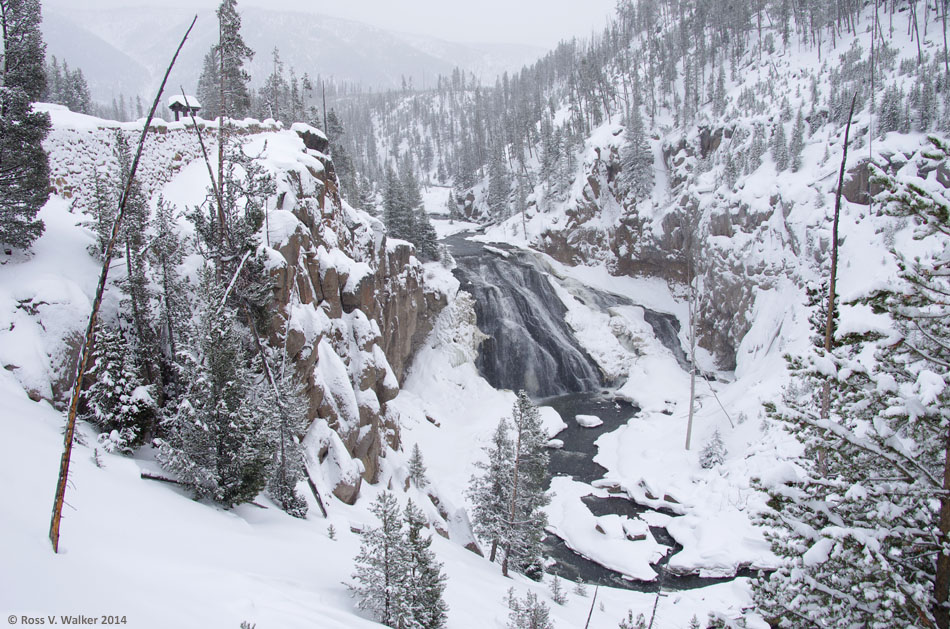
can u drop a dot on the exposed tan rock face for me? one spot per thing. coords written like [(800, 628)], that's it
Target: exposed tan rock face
[(351, 309)]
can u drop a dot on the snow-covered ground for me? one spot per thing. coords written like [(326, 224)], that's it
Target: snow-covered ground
[(145, 550)]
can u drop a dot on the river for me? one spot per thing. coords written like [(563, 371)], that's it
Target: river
[(531, 347)]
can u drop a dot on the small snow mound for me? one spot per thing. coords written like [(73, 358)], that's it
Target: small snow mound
[(302, 127), (819, 553), (588, 421)]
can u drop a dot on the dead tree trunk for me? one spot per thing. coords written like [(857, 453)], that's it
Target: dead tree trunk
[(833, 279), (85, 353)]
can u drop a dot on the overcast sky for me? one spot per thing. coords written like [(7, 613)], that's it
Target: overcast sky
[(537, 22)]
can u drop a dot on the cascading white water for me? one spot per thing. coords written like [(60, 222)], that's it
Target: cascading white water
[(529, 345)]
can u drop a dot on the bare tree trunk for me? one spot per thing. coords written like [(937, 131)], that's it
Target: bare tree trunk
[(692, 353), (512, 509), (93, 316), (942, 578), (592, 602), (833, 280), (946, 57)]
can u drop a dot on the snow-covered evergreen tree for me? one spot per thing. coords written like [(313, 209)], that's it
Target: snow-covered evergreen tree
[(529, 613), (218, 441), (779, 147), (558, 595), (136, 284), (864, 529), (24, 177), (209, 85), (524, 526), (103, 209), (636, 160), (630, 623), (489, 491), (499, 185), (232, 53), (797, 143), (381, 566), (286, 420), (424, 580), (118, 401), (713, 453), (417, 468), (166, 253)]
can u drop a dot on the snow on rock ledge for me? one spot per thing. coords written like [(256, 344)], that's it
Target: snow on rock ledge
[(348, 308)]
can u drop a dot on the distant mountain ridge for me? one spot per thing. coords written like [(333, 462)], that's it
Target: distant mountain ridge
[(125, 50)]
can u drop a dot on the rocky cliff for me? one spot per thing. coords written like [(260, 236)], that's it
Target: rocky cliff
[(350, 307)]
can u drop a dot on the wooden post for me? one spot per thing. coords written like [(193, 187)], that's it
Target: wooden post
[(97, 302)]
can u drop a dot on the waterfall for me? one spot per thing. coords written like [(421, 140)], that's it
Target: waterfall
[(530, 345)]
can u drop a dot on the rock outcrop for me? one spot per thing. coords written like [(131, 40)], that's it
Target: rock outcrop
[(350, 308)]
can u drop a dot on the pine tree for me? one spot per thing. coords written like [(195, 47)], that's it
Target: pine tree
[(636, 160), (779, 147), (756, 148), (342, 164), (166, 254), (118, 402), (285, 413), (426, 238), (424, 580), (713, 453), (797, 144), (232, 53), (209, 93), (396, 213), (24, 52), (417, 468), (864, 530), (274, 90), (218, 442), (891, 110), (24, 177), (489, 492), (719, 95), (530, 613), (499, 185), (103, 209), (523, 530), (136, 285), (558, 595), (381, 565), (630, 623)]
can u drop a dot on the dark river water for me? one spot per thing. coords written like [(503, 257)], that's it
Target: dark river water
[(531, 347)]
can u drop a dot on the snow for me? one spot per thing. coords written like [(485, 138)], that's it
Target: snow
[(588, 421), (221, 567), (184, 101), (571, 520), (45, 299)]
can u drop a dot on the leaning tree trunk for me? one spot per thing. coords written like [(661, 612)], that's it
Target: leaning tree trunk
[(833, 280), (93, 316), (942, 577)]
